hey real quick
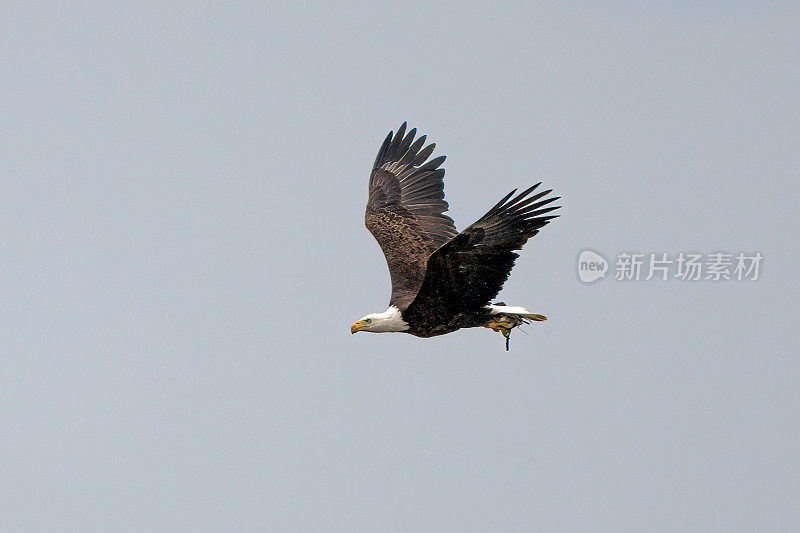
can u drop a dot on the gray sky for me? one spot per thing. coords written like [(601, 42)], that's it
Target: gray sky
[(183, 245)]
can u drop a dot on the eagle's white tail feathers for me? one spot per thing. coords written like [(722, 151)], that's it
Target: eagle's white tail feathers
[(515, 311)]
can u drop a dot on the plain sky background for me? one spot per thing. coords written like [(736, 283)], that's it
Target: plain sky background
[(183, 252)]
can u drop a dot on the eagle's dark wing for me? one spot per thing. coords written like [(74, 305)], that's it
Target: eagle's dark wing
[(405, 210), (467, 273)]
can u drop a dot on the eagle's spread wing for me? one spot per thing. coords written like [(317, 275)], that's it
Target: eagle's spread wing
[(405, 210), (467, 273)]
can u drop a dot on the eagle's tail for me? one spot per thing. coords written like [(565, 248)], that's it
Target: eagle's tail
[(504, 318)]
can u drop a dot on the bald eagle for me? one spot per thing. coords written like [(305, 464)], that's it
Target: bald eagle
[(443, 280)]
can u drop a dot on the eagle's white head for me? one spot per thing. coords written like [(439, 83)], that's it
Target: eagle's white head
[(388, 321)]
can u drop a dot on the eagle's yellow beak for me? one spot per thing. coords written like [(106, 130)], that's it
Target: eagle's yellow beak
[(358, 326)]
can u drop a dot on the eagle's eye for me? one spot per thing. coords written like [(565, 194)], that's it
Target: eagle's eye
[(367, 320)]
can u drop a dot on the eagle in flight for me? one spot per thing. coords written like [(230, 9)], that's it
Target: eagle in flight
[(443, 280)]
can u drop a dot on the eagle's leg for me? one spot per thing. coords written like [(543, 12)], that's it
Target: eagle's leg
[(503, 327)]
